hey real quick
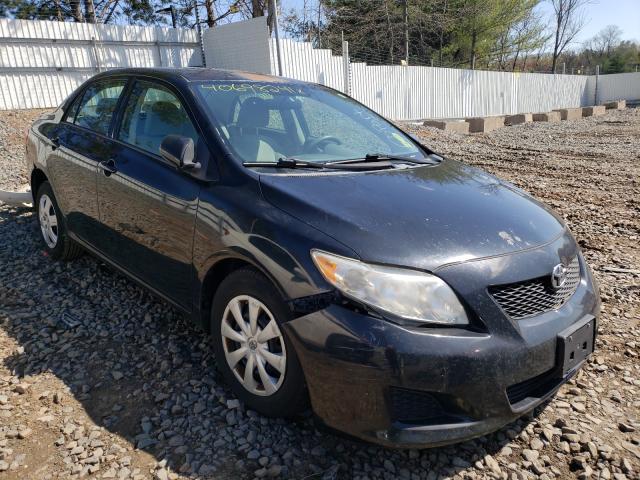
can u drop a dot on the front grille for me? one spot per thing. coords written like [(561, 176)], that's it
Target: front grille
[(535, 387), (414, 406), (532, 297)]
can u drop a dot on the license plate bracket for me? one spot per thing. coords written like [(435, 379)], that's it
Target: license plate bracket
[(575, 344)]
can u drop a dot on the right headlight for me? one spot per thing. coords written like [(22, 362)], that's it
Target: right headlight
[(404, 293)]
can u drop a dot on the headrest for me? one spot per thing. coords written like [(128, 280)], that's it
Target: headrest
[(254, 113), (106, 105), (167, 112)]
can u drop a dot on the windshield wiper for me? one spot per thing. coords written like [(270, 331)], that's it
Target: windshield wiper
[(288, 162), (291, 162), (431, 159)]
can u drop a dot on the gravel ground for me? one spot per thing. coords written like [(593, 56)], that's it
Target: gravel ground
[(99, 379)]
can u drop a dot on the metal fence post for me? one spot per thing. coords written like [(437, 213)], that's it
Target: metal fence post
[(595, 100), (96, 54), (159, 52), (346, 67)]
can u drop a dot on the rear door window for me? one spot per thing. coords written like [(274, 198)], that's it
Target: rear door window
[(153, 112), (95, 110)]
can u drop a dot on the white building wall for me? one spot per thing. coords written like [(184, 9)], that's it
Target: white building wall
[(239, 46)]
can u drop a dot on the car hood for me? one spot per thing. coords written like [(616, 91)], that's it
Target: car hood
[(420, 217)]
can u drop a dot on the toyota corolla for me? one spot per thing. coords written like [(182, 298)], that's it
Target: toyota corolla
[(337, 262)]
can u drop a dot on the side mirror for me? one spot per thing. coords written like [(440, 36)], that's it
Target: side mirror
[(416, 138), (180, 151)]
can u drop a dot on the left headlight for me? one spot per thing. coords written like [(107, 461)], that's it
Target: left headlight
[(404, 293)]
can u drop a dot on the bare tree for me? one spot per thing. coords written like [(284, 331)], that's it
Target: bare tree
[(607, 39), (528, 36), (568, 21), (90, 12), (76, 10), (257, 8)]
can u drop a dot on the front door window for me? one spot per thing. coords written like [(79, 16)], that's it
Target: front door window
[(152, 113)]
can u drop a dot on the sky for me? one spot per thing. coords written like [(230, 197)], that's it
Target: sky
[(598, 14)]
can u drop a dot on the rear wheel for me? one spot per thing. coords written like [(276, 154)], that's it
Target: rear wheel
[(252, 350), (53, 227)]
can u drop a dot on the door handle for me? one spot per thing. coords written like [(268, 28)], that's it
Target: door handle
[(108, 167)]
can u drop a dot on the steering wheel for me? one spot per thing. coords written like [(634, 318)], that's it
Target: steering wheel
[(314, 144)]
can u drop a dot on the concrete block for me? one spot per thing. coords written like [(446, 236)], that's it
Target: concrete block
[(593, 111), (616, 105), (518, 119), (20, 197), (569, 113), (448, 125), (546, 117), (484, 124)]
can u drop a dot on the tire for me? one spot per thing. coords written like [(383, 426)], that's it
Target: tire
[(53, 226), (284, 394)]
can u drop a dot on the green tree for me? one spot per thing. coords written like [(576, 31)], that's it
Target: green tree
[(90, 11), (444, 32)]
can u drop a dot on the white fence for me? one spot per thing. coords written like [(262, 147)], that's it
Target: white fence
[(408, 93), (41, 62), (415, 92), (624, 86)]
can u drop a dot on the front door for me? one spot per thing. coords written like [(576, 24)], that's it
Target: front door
[(147, 204)]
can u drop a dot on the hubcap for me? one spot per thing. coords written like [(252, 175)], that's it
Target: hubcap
[(48, 221), (253, 345)]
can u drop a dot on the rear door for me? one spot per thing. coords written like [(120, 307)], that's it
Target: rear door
[(79, 143), (147, 204)]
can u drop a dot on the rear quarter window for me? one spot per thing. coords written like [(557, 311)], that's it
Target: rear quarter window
[(96, 107)]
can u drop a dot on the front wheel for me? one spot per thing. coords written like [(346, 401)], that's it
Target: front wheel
[(252, 350), (52, 226)]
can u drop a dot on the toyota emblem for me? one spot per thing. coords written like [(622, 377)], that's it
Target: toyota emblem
[(558, 276)]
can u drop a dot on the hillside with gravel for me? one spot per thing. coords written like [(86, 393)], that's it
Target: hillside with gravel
[(100, 379)]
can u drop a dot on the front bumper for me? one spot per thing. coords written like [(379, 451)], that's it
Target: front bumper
[(367, 376)]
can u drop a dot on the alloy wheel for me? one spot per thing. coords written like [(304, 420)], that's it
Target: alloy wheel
[(48, 221), (253, 345)]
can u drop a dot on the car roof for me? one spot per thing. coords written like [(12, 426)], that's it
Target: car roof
[(197, 74)]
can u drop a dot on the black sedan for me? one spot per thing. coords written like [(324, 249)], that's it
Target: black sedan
[(411, 299)]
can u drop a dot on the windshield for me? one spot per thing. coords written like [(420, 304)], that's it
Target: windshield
[(264, 122)]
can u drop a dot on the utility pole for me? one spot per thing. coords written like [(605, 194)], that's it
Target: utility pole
[(199, 30), (274, 13), (406, 31), (318, 25)]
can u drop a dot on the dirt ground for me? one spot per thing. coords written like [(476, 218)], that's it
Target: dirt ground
[(99, 379)]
